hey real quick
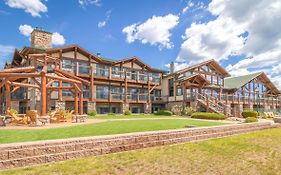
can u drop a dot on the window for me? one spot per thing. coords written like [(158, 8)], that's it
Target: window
[(84, 68), (86, 91), (116, 72), (155, 77), (102, 92), (171, 87), (102, 70), (68, 66), (132, 93), (179, 91), (117, 93)]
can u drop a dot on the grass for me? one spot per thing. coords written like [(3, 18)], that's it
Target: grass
[(131, 116), (253, 153), (105, 128)]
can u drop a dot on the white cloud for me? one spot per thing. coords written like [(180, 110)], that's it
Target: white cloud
[(189, 5), (25, 29), (155, 31), (107, 16), (34, 7), (248, 28), (84, 3), (5, 52), (57, 38)]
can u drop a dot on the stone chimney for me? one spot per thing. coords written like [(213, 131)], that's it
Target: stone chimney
[(41, 39), (172, 67)]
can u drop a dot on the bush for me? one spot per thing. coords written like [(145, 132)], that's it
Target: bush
[(251, 119), (188, 111), (127, 112), (111, 113), (164, 112), (92, 113), (249, 113), (206, 115)]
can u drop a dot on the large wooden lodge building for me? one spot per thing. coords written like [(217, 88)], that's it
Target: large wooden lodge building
[(44, 78)]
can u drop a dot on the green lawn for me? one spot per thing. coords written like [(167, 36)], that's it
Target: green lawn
[(251, 154), (131, 116), (105, 128)]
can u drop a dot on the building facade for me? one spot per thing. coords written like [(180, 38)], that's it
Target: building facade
[(44, 78)]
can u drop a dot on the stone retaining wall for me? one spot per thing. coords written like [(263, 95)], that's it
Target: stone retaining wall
[(39, 152)]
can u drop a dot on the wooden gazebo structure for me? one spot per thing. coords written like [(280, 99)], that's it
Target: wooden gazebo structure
[(41, 73)]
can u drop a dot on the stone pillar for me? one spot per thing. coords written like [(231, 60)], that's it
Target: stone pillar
[(60, 105), (91, 106), (237, 109), (147, 108), (125, 106), (227, 109)]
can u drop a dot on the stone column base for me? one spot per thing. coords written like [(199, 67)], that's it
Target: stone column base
[(91, 106), (60, 105)]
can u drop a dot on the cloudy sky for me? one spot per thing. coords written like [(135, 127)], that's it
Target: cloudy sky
[(243, 35)]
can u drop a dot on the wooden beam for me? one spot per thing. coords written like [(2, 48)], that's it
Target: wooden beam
[(19, 75), (63, 79), (72, 76), (152, 88), (15, 89), (24, 85), (37, 82), (16, 70)]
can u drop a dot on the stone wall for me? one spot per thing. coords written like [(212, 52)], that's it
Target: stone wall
[(39, 152), (41, 39)]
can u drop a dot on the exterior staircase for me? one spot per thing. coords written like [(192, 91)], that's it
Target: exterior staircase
[(213, 104)]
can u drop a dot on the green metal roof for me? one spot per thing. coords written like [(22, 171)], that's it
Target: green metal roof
[(237, 82)]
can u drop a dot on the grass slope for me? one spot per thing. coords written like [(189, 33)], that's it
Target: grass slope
[(106, 128), (251, 154)]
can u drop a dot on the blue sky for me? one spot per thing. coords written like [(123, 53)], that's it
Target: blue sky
[(243, 35)]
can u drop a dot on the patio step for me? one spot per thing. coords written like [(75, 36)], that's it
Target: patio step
[(27, 154)]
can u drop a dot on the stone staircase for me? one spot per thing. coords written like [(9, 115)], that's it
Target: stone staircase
[(213, 104), (40, 152)]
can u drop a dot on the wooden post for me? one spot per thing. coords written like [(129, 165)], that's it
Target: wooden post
[(76, 102), (92, 84), (81, 103), (43, 95), (8, 96), (126, 88)]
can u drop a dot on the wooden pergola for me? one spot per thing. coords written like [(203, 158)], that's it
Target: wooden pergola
[(42, 72)]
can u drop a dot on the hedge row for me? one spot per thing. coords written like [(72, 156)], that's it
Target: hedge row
[(249, 113), (206, 115), (164, 112)]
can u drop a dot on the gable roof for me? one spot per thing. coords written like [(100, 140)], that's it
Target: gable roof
[(239, 81), (199, 76), (212, 62)]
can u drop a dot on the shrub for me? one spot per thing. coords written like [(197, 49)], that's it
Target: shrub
[(13, 111), (188, 111), (92, 113), (249, 113), (164, 112), (251, 119), (111, 113), (206, 115), (127, 112)]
